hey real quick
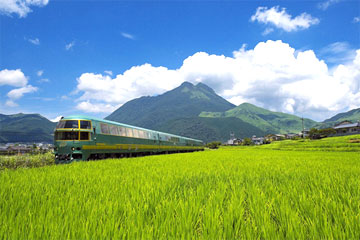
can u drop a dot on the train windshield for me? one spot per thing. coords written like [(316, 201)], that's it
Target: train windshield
[(66, 135), (68, 124), (85, 124)]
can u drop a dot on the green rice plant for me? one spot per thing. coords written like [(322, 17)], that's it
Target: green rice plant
[(230, 193), (26, 161)]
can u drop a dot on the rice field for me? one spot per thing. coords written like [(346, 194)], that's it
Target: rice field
[(233, 192)]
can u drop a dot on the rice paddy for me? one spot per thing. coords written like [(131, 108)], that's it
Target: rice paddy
[(277, 192)]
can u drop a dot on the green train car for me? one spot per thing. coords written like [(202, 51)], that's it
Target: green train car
[(79, 138)]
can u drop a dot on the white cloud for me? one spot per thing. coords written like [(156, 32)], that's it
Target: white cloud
[(281, 19), (34, 41), (20, 7), (108, 72), (15, 78), (135, 82), (11, 103), (43, 80), (338, 52), (128, 35), (40, 73), (56, 119), (272, 75), (328, 3), (69, 46), (356, 19), (19, 92), (267, 31), (87, 106)]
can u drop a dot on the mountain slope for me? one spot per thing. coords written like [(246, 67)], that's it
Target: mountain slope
[(211, 129), (268, 121), (352, 115), (25, 128), (185, 101)]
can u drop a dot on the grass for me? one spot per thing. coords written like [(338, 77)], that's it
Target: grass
[(240, 192), (340, 144), (26, 161)]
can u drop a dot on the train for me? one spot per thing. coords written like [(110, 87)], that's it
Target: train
[(81, 138)]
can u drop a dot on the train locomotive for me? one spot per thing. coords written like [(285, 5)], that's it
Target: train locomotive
[(79, 138)]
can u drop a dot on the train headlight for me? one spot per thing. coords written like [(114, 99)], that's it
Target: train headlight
[(72, 149)]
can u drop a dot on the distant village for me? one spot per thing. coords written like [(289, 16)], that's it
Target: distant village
[(21, 148), (340, 129)]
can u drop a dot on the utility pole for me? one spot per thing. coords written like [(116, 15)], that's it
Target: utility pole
[(302, 121)]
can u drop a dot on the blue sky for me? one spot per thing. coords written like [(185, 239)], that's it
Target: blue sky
[(64, 57)]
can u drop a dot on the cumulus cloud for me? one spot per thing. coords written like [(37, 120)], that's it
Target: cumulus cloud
[(281, 19), (11, 103), (19, 92), (356, 19), (15, 78), (95, 108), (272, 75), (20, 7)]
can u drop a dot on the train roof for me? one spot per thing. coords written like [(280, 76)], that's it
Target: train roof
[(83, 117)]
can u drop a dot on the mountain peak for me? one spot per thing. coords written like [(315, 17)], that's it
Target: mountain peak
[(184, 101), (204, 87), (186, 84)]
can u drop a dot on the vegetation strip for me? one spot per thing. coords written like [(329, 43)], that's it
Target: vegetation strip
[(233, 192)]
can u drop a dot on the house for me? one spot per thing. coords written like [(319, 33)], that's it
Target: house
[(291, 135), (235, 141), (274, 137), (257, 140), (347, 128)]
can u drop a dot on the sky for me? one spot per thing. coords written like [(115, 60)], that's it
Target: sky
[(59, 58)]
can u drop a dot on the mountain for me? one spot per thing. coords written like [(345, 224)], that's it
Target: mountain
[(267, 121), (211, 129), (25, 128), (197, 111), (352, 115), (185, 101)]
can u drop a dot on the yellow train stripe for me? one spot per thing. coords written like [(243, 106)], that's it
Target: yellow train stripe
[(134, 147)]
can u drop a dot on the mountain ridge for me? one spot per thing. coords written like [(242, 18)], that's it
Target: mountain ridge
[(22, 127)]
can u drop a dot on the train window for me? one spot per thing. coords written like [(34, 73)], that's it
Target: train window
[(113, 130), (84, 136), (122, 131), (67, 136), (85, 124), (68, 124), (129, 132), (104, 128), (136, 133), (142, 134), (174, 139)]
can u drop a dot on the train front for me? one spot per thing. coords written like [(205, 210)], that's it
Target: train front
[(70, 136)]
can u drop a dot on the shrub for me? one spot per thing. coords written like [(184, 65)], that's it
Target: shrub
[(213, 145)]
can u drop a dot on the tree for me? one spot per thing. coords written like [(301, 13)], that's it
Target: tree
[(213, 145), (247, 142)]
